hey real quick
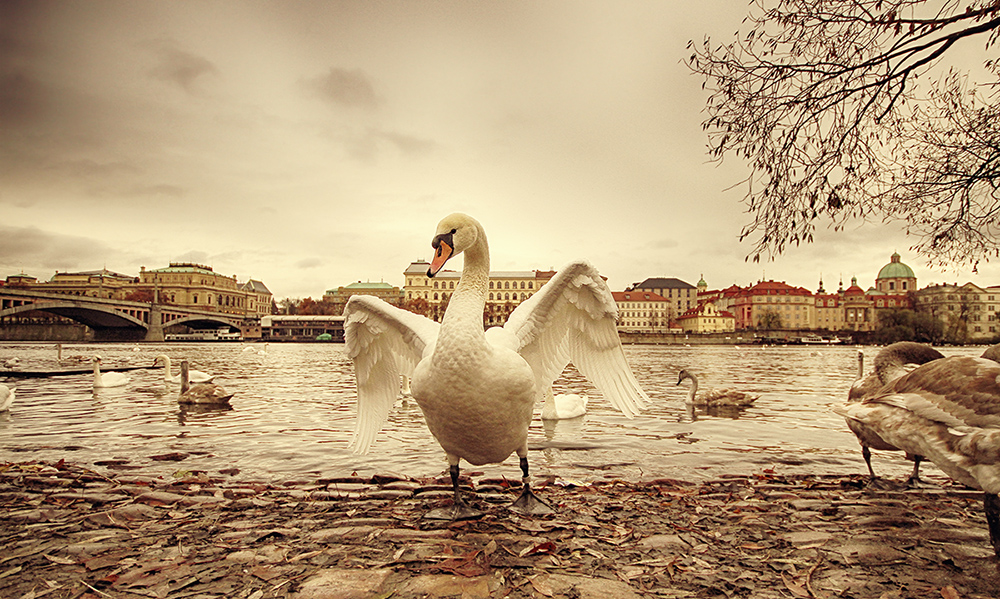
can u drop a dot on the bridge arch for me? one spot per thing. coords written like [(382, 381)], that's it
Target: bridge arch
[(94, 316)]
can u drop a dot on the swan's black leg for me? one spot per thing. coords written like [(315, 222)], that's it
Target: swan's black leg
[(867, 455), (915, 482), (991, 504), (459, 510), (874, 482), (528, 503)]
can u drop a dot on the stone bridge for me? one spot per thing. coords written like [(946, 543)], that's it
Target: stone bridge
[(113, 320)]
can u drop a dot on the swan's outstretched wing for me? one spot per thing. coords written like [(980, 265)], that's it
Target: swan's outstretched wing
[(573, 318), (384, 342)]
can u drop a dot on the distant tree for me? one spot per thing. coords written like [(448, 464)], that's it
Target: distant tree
[(770, 320), (418, 305), (311, 307), (907, 325), (140, 295), (822, 99), (289, 306)]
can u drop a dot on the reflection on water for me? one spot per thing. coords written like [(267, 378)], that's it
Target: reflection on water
[(293, 413)]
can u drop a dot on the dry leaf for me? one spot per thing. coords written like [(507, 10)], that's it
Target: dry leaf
[(796, 589), (949, 592), (541, 585)]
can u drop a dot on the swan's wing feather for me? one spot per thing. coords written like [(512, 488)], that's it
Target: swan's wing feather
[(384, 342), (573, 318), (955, 391)]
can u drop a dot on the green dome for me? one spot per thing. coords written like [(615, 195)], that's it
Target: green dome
[(895, 270)]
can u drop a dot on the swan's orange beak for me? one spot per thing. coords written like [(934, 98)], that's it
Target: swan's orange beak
[(441, 255)]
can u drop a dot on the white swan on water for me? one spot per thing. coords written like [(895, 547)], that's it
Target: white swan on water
[(6, 397), (477, 389), (108, 379), (948, 411), (714, 397), (196, 376), (891, 363), (563, 406)]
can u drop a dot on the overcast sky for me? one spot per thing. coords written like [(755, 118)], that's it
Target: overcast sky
[(314, 144)]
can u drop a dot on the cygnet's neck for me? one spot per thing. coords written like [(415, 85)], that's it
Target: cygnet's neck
[(694, 387)]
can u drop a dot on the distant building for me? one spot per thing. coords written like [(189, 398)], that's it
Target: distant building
[(507, 289), (968, 312), (384, 291), (642, 312), (92, 283), (896, 278), (706, 318), (260, 301), (680, 295), (199, 287), (793, 306), (301, 328)]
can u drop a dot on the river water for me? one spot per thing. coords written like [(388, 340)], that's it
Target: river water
[(293, 413)]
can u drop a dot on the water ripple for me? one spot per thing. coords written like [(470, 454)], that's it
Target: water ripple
[(293, 413)]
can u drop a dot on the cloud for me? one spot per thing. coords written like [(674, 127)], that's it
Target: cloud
[(350, 88), (158, 189), (195, 256), (309, 263), (31, 247), (407, 144), (180, 67)]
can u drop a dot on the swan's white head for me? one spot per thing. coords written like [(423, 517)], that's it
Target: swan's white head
[(455, 233)]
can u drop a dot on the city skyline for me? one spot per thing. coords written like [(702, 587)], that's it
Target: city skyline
[(829, 285), (323, 141)]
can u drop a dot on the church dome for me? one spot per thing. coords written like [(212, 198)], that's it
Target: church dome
[(895, 270)]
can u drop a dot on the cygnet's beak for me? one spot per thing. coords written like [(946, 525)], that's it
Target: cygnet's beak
[(443, 246)]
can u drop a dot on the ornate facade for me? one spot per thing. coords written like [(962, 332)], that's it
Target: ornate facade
[(507, 289)]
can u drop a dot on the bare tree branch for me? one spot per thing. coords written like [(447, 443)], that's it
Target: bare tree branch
[(828, 103)]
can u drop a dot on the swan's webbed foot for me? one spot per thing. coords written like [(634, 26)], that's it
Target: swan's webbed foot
[(529, 504), (915, 482), (459, 510), (876, 483)]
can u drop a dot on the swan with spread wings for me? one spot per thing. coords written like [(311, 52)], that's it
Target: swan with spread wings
[(478, 388)]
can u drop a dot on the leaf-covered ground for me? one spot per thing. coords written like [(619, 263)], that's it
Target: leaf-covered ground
[(66, 531)]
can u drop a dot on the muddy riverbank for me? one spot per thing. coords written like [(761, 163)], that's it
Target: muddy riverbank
[(67, 531)]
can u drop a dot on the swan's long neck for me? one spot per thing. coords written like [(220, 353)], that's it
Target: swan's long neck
[(168, 371), (694, 387), (464, 316)]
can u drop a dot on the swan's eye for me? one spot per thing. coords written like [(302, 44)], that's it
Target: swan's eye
[(453, 231)]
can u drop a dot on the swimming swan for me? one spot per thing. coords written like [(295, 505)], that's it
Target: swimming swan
[(948, 411), (6, 397), (108, 379), (200, 393), (714, 397), (477, 389), (563, 406), (891, 363), (197, 376)]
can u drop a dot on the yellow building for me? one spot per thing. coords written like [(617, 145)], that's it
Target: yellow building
[(507, 289), (91, 283), (198, 287), (680, 296), (338, 297), (706, 318), (969, 312)]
